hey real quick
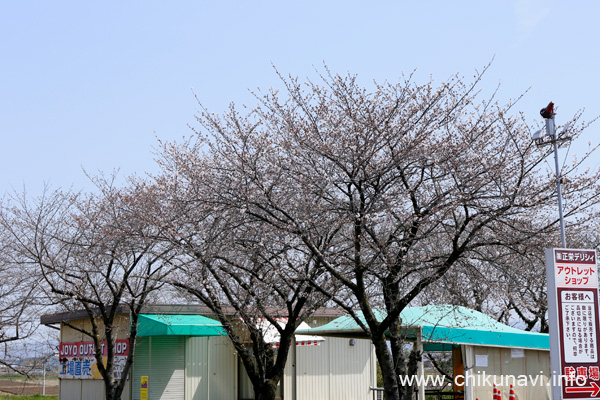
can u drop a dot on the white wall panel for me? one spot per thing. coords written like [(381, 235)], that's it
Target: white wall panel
[(70, 389), (246, 391), (211, 370), (196, 373), (222, 369), (141, 365), (505, 370), (350, 369), (312, 371), (127, 389), (334, 370), (167, 375), (289, 376), (92, 389), (538, 362)]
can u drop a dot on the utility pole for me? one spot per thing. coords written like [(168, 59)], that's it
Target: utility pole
[(548, 114)]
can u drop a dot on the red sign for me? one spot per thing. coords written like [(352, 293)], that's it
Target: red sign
[(594, 389), (83, 349), (574, 286)]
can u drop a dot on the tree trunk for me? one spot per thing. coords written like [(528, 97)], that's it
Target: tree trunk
[(390, 382), (265, 391), (116, 393), (109, 395), (411, 370)]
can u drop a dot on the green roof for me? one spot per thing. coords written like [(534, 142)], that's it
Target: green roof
[(444, 326), (181, 325)]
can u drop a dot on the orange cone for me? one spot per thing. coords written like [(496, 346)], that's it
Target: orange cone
[(495, 396), (512, 396)]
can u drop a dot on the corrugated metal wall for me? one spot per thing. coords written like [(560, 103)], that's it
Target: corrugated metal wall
[(81, 389), (194, 368), (245, 389), (141, 364), (335, 370), (289, 376), (196, 372), (350, 369), (211, 369), (167, 375), (70, 389), (312, 371), (222, 363), (162, 359), (92, 390), (127, 391)]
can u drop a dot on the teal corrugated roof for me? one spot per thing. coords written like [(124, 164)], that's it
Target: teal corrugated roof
[(181, 325), (447, 324)]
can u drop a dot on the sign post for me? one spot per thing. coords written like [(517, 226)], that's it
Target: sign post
[(574, 323), (144, 387)]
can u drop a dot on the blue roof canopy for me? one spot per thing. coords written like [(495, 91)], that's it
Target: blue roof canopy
[(443, 326), (180, 325)]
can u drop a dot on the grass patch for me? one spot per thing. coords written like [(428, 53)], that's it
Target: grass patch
[(15, 377), (27, 397)]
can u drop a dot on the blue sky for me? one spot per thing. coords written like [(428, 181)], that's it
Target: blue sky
[(91, 85)]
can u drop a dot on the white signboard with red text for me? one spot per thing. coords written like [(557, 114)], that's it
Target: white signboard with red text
[(77, 359), (574, 323)]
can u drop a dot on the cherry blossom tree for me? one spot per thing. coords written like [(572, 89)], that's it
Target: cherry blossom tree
[(402, 181), (255, 280), (509, 283), (21, 300), (99, 252)]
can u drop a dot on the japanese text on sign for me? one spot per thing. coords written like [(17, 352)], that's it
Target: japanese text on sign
[(574, 322), (77, 359), (579, 326), (575, 268)]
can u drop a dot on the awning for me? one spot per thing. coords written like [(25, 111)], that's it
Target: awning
[(180, 325), (443, 325), (272, 337)]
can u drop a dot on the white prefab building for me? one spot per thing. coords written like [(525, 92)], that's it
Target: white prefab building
[(181, 355), (484, 351)]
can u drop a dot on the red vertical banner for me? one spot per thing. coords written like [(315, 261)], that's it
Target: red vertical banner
[(574, 322)]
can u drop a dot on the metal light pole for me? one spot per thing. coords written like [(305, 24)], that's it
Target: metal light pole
[(44, 379), (548, 114), (550, 125)]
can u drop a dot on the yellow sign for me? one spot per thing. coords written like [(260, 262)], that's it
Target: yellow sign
[(144, 388)]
